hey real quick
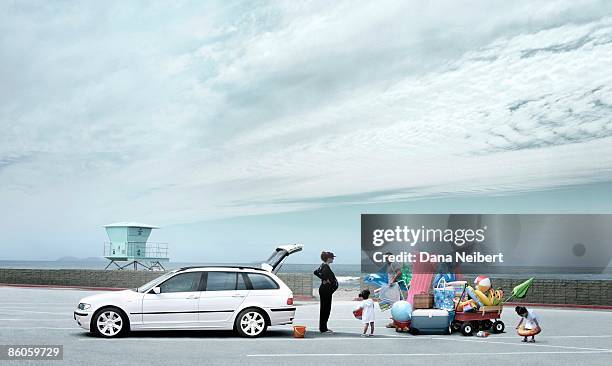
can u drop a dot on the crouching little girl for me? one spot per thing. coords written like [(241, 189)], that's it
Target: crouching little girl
[(529, 326)]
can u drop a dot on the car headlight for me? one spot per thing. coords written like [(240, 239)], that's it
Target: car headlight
[(83, 306)]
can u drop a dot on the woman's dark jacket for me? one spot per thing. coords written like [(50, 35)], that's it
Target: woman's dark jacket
[(327, 276)]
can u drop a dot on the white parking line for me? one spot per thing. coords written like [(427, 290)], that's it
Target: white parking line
[(48, 328), (559, 336), (331, 320), (520, 344), (494, 337), (37, 307), (36, 312), (290, 339), (36, 320), (356, 330), (452, 354), (36, 303)]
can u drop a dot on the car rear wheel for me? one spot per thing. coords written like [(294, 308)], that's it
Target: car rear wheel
[(251, 323), (109, 322)]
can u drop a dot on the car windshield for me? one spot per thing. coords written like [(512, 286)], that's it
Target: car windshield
[(147, 286)]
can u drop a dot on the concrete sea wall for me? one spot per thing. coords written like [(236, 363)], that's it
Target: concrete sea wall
[(553, 291), (559, 291), (300, 284)]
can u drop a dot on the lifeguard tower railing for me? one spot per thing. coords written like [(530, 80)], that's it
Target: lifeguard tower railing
[(142, 250)]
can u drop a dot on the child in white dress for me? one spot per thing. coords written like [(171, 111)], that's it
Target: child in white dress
[(367, 316)]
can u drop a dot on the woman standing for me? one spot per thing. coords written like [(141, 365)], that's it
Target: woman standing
[(329, 284)]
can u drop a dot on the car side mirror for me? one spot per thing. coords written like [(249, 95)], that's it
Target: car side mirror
[(157, 290)]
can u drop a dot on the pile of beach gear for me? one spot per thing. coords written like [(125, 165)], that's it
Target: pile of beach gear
[(442, 302), (450, 304)]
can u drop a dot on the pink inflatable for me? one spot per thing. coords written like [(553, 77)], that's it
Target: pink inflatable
[(422, 275)]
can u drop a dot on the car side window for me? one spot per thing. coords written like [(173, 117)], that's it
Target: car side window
[(262, 282), (221, 281), (241, 285), (184, 282)]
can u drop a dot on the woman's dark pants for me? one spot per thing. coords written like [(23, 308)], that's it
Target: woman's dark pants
[(325, 295)]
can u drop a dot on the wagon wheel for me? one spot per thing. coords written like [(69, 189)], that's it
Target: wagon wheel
[(467, 328), (486, 325), (456, 325), (498, 326)]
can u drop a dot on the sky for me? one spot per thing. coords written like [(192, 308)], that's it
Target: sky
[(254, 123)]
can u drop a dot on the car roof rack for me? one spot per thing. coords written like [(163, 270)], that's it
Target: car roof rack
[(220, 266)]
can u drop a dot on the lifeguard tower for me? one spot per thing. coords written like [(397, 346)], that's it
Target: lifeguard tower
[(128, 243)]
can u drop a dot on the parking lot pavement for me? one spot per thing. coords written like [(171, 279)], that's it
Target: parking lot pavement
[(44, 316)]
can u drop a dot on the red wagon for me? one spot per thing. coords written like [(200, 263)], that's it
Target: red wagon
[(486, 318)]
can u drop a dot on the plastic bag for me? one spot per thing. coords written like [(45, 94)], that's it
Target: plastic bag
[(388, 295)]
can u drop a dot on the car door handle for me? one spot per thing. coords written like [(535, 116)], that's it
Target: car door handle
[(192, 297), (237, 295)]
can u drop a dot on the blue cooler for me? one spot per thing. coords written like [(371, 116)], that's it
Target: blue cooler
[(432, 320)]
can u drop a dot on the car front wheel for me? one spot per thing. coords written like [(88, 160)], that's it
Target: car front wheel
[(109, 323), (251, 323)]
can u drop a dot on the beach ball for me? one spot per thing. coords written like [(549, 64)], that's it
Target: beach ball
[(358, 311), (483, 283), (401, 311)]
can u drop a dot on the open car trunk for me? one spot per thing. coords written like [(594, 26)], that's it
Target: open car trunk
[(275, 261)]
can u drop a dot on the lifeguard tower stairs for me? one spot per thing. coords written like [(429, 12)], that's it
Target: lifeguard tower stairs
[(128, 246)]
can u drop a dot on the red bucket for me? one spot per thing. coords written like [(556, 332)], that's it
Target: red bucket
[(299, 331)]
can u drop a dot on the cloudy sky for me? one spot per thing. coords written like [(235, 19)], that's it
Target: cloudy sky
[(250, 123)]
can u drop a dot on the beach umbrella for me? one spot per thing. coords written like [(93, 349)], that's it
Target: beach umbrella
[(519, 291), (406, 275)]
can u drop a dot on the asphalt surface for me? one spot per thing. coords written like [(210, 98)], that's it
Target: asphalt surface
[(44, 316)]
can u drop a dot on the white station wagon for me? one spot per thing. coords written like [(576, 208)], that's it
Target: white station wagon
[(246, 299)]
